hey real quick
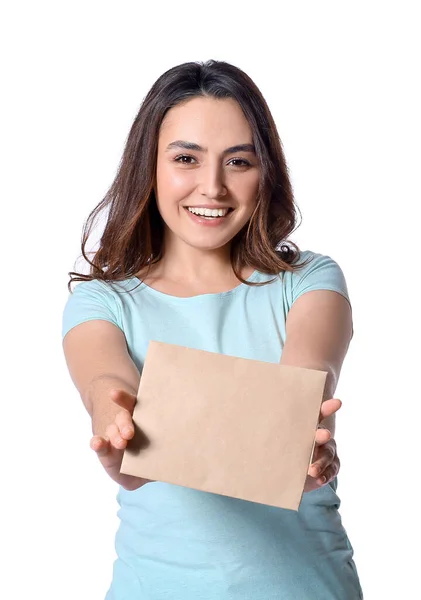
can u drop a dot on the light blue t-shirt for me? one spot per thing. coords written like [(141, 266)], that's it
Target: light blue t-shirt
[(175, 543)]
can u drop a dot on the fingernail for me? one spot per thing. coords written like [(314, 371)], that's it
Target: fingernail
[(317, 469), (323, 479), (128, 430)]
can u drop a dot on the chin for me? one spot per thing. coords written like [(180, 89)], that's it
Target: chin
[(207, 246), (207, 239)]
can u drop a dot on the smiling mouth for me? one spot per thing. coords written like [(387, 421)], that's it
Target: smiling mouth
[(209, 213)]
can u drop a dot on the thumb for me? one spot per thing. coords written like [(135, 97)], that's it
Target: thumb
[(329, 407), (124, 399)]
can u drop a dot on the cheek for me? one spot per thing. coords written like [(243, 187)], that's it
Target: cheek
[(173, 183), (246, 192)]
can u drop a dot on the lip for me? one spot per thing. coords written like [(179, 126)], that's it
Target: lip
[(206, 222), (211, 206)]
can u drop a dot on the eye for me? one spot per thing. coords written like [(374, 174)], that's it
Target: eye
[(239, 162), (184, 159)]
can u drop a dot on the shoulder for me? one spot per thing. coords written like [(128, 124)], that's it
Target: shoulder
[(310, 261), (314, 271), (90, 300), (93, 286), (111, 291)]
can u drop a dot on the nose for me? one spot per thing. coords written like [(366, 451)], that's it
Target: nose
[(211, 182)]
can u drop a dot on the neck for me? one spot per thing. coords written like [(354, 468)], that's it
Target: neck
[(185, 271), (184, 263)]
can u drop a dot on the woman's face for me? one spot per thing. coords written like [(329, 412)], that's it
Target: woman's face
[(207, 174)]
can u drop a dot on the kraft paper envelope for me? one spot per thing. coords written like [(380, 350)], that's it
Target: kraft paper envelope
[(227, 425)]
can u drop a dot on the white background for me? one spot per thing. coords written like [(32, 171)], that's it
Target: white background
[(341, 81)]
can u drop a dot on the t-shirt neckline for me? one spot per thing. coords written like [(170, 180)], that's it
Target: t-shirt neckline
[(238, 288)]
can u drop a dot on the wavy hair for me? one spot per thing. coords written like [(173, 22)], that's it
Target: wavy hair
[(132, 239)]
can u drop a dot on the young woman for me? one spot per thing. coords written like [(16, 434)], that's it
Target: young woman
[(195, 252)]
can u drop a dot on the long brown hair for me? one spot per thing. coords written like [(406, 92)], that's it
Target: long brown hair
[(133, 236)]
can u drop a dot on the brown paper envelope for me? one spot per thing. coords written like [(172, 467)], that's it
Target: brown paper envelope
[(227, 425)]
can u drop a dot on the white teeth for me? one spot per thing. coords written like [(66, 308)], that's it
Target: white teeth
[(208, 212)]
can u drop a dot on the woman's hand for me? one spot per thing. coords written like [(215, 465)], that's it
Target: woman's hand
[(110, 448), (325, 465)]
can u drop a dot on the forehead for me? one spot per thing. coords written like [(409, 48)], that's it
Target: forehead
[(206, 121)]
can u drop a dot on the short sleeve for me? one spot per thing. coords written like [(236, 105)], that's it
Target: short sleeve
[(89, 301), (320, 273)]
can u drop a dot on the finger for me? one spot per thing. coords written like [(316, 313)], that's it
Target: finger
[(328, 474), (322, 436), (113, 433), (100, 445), (124, 423), (329, 407), (325, 459), (123, 399)]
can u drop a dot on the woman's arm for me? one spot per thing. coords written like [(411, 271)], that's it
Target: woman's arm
[(107, 380), (318, 333)]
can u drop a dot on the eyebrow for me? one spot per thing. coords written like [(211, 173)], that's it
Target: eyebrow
[(196, 148)]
